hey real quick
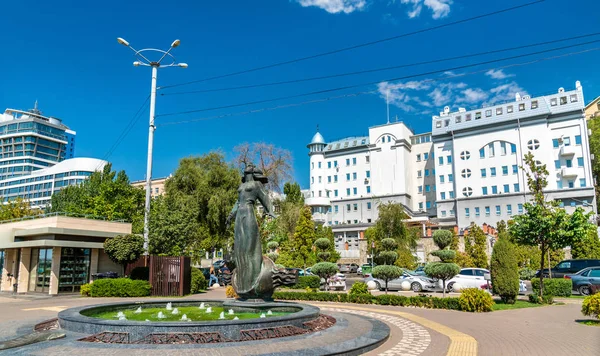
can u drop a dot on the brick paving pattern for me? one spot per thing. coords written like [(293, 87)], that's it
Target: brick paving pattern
[(415, 338)]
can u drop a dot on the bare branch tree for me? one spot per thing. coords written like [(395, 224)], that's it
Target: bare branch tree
[(275, 162)]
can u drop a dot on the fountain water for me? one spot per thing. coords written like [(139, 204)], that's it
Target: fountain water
[(209, 310), (222, 315), (120, 315), (169, 306), (236, 318), (269, 313), (263, 315), (201, 306), (175, 311), (230, 311), (184, 318), (138, 310), (161, 315)]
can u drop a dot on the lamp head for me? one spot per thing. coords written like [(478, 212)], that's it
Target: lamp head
[(183, 65), (175, 43), (136, 64), (122, 41)]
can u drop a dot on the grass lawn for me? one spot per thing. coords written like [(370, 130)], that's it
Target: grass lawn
[(589, 322), (500, 305), (573, 296)]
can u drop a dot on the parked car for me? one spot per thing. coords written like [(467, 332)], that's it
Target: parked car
[(344, 268), (359, 270), (522, 286), (417, 283), (568, 267), (467, 278), (301, 272), (420, 271), (585, 279), (353, 268)]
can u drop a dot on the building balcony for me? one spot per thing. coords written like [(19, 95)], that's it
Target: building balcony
[(568, 172), (319, 218), (349, 253), (566, 151), (319, 201)]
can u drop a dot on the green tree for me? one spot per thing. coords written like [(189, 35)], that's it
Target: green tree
[(544, 223), (588, 247), (325, 270), (297, 252), (192, 215), (16, 209), (325, 232), (477, 246), (594, 126), (445, 269), (293, 194), (505, 271), (124, 249), (386, 273), (105, 193)]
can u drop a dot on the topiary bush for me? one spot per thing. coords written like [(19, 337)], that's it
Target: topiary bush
[(308, 282), (324, 270), (504, 271), (199, 282), (388, 257), (386, 273), (119, 287), (273, 256), (475, 300), (272, 245), (442, 238), (85, 290), (591, 306), (557, 287), (140, 273), (442, 271), (444, 255), (322, 243), (359, 288)]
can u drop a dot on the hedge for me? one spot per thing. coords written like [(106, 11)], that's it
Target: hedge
[(399, 300), (199, 282), (119, 287), (304, 282), (557, 287)]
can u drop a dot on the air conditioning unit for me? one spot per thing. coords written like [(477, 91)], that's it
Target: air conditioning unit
[(592, 156)]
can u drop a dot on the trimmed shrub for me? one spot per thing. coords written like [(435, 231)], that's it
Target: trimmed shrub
[(442, 238), (272, 245), (120, 287), (475, 300), (359, 288), (308, 282), (323, 243), (324, 270), (534, 298), (389, 244), (526, 274), (444, 255), (273, 256), (386, 299), (591, 306), (557, 287), (140, 273), (441, 270), (85, 290), (199, 282), (230, 292), (386, 273), (504, 271)]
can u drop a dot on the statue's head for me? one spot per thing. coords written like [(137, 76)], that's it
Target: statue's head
[(253, 173)]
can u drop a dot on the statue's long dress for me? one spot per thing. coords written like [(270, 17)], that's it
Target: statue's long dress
[(252, 275)]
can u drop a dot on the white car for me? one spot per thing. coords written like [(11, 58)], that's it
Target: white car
[(467, 278)]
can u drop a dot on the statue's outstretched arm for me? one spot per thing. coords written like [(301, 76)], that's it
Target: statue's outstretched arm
[(263, 198), (233, 213)]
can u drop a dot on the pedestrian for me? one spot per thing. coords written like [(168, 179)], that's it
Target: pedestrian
[(213, 277)]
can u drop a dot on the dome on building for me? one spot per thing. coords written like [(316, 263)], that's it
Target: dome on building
[(317, 138)]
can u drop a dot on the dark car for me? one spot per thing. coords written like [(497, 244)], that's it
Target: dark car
[(568, 267), (584, 280)]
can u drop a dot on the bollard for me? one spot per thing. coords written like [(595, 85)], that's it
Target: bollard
[(15, 288)]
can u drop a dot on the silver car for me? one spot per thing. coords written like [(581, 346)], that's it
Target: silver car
[(417, 283)]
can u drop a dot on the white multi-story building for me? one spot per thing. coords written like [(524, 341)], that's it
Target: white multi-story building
[(350, 177), (480, 155), (468, 169)]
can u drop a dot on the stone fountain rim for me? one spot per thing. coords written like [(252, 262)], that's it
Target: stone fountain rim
[(74, 314)]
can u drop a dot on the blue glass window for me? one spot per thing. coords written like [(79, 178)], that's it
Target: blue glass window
[(580, 161), (557, 164), (513, 149), (520, 208), (441, 160), (420, 189), (368, 174), (443, 196), (484, 190), (355, 191), (516, 187), (427, 188), (582, 182), (427, 173), (506, 188), (482, 153), (515, 169), (493, 171), (494, 189), (428, 204), (369, 205), (483, 174), (450, 178), (504, 170), (449, 159), (477, 211), (578, 140), (555, 143), (441, 179), (368, 189), (559, 184)]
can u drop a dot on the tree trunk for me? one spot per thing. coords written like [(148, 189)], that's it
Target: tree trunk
[(386, 283), (443, 288), (542, 272)]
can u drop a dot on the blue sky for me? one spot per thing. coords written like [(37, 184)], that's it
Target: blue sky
[(64, 54)]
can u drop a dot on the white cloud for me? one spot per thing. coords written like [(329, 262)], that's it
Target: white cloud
[(498, 74), (469, 95), (440, 8), (336, 6), (506, 92)]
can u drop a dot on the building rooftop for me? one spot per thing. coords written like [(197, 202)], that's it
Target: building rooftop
[(317, 138), (348, 142)]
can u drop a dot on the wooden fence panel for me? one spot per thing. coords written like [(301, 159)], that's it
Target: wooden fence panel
[(170, 276)]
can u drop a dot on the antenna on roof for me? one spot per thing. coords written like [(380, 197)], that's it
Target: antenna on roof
[(396, 118), (387, 99), (317, 127)]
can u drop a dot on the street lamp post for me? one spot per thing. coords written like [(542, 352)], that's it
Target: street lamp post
[(144, 61)]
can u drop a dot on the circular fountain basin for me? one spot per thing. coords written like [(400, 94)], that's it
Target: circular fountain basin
[(105, 318)]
